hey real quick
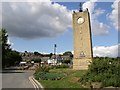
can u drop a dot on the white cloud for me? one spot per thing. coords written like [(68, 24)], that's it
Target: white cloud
[(105, 51), (44, 19), (24, 1), (90, 5), (99, 11), (9, 42), (35, 19), (115, 14), (97, 27), (109, 51)]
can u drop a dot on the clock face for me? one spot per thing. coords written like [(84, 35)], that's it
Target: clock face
[(80, 20)]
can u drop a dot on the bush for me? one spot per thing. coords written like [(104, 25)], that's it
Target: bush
[(59, 66), (62, 66), (37, 60), (48, 76), (43, 69), (111, 80), (67, 61), (105, 70), (44, 74)]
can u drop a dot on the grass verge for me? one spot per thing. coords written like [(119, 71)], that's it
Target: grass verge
[(70, 79)]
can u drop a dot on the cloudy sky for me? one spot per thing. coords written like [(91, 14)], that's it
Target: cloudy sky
[(37, 26)]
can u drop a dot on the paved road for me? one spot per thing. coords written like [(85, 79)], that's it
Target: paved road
[(16, 79)]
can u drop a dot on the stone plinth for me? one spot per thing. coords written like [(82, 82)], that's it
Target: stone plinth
[(81, 64)]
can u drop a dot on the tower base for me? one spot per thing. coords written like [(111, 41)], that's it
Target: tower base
[(81, 64)]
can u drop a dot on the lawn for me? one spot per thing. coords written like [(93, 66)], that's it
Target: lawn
[(101, 73), (70, 79)]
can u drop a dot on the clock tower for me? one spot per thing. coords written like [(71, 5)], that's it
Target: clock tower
[(82, 40)]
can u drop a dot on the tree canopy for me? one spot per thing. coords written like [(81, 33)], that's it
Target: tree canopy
[(104, 70), (9, 57), (67, 53)]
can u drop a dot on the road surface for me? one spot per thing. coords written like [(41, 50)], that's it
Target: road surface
[(16, 79)]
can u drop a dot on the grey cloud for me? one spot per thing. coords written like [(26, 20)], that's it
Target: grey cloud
[(32, 20)]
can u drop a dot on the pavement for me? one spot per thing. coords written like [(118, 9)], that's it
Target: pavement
[(19, 79)]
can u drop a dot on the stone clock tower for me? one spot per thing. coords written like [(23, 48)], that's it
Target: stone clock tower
[(82, 40)]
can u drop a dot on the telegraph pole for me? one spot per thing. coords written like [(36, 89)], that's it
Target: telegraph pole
[(55, 48)]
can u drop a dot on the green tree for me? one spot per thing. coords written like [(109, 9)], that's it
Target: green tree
[(51, 55), (37, 60), (68, 53), (36, 53), (5, 45), (104, 70), (67, 61), (4, 40), (9, 57), (25, 51), (12, 58)]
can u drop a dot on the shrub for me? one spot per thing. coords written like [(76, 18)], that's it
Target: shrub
[(42, 69), (37, 60), (48, 76), (67, 61), (105, 70), (60, 66), (111, 80), (44, 74)]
